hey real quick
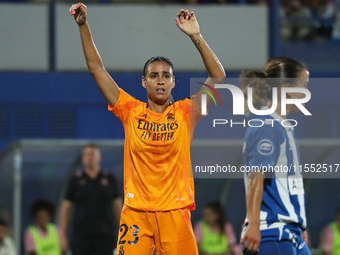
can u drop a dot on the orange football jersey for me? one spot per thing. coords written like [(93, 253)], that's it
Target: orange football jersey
[(157, 165)]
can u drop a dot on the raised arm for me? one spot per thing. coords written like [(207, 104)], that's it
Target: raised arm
[(106, 84), (187, 22), (252, 236)]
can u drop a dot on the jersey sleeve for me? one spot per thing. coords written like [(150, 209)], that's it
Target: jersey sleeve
[(29, 242), (230, 234), (327, 238), (262, 147), (123, 106), (12, 247), (71, 190)]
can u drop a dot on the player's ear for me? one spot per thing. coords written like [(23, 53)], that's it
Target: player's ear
[(288, 94), (173, 82), (97, 151), (144, 82)]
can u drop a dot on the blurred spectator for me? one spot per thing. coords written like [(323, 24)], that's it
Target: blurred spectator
[(5, 215), (93, 192), (323, 14), (135, 1), (296, 21), (6, 243), (65, 1), (330, 237), (207, 1), (336, 26), (214, 234), (43, 237), (258, 2)]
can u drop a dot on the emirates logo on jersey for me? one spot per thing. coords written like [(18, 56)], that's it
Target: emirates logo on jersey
[(170, 117), (157, 131)]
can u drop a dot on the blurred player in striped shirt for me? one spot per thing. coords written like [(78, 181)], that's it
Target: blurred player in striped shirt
[(276, 218)]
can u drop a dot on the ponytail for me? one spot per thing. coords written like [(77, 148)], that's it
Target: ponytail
[(280, 70)]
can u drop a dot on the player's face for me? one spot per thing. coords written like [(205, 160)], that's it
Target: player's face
[(302, 83), (2, 232), (159, 81), (42, 218), (91, 157), (209, 215)]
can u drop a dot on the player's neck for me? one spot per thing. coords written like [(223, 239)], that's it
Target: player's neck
[(278, 109), (92, 171), (214, 226), (159, 108), (43, 228)]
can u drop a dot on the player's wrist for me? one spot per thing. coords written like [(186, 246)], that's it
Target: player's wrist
[(196, 36), (85, 24), (254, 223)]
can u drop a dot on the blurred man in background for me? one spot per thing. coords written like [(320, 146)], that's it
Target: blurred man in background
[(330, 237), (93, 193), (6, 243)]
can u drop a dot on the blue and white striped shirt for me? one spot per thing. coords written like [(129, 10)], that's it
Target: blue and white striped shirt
[(272, 148)]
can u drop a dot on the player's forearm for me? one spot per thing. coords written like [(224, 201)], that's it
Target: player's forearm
[(64, 216), (254, 199), (117, 209), (210, 60), (93, 59), (64, 222), (106, 84)]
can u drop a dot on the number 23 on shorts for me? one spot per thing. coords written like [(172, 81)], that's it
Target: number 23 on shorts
[(124, 228)]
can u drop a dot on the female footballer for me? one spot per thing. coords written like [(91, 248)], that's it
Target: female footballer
[(158, 187), (276, 218)]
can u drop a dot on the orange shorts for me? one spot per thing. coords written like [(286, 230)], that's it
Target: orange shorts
[(170, 232)]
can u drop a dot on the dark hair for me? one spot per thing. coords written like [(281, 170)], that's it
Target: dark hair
[(3, 223), (90, 146), (159, 59), (216, 207), (284, 70), (42, 204)]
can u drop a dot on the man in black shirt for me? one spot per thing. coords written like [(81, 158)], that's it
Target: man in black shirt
[(93, 194)]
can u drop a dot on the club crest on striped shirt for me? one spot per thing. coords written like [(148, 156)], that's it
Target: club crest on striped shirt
[(265, 147)]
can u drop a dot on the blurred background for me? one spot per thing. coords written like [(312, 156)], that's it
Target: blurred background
[(50, 106)]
